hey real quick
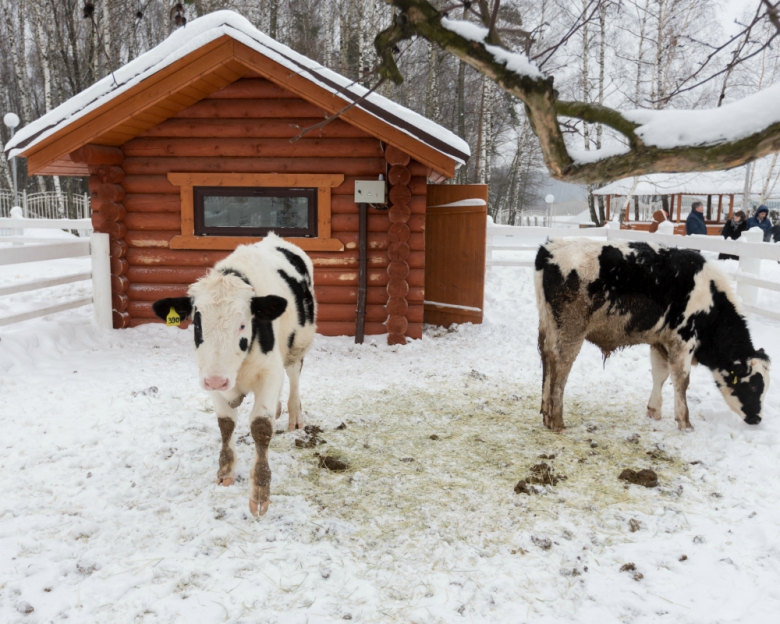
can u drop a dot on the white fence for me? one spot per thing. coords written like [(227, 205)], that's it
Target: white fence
[(47, 205), (18, 249), (750, 249)]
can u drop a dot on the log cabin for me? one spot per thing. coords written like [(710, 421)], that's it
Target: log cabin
[(198, 146)]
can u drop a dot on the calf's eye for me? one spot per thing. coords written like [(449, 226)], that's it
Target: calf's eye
[(243, 326)]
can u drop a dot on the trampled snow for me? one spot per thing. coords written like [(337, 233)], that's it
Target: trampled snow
[(109, 511)]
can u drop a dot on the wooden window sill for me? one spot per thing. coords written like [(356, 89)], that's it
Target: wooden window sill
[(229, 243)]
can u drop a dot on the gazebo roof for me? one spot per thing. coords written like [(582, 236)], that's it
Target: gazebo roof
[(199, 59), (704, 183)]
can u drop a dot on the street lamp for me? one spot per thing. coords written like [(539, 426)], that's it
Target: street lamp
[(549, 199), (12, 120)]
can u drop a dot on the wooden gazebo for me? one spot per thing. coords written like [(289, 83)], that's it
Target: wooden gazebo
[(721, 184)]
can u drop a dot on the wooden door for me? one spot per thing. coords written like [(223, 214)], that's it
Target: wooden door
[(455, 234)]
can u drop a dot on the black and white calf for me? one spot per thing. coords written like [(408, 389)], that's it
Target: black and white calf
[(620, 294), (254, 318)]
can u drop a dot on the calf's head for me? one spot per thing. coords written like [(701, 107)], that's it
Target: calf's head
[(226, 317), (744, 385)]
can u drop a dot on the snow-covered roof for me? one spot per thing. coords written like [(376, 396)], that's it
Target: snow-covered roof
[(703, 183), (206, 29)]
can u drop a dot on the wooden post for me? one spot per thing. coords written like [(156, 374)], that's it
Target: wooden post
[(751, 266), (731, 206), (679, 207), (108, 214), (720, 207), (362, 274), (628, 209), (101, 280), (608, 214), (398, 251)]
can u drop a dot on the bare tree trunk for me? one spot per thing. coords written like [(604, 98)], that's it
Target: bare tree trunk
[(640, 55), (16, 46), (432, 90), (41, 41)]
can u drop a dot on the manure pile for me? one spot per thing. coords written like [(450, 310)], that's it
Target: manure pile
[(470, 460)]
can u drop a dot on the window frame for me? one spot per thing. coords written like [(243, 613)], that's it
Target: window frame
[(187, 181), (201, 229)]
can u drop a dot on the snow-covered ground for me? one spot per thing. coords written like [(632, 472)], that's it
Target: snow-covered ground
[(109, 511)]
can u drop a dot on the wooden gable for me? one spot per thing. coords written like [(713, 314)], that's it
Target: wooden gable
[(191, 79)]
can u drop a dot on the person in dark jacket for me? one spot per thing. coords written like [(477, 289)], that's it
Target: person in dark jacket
[(695, 224), (733, 230), (761, 220)]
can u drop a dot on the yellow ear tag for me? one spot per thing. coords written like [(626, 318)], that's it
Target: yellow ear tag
[(173, 318), (735, 380)]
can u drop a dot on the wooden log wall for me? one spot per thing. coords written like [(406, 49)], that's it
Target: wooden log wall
[(108, 215), (246, 127), (398, 252)]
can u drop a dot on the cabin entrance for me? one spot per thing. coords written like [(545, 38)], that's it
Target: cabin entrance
[(455, 235)]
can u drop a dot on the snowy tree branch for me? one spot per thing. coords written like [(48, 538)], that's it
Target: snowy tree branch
[(514, 73)]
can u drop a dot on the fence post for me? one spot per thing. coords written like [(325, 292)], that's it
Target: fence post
[(16, 213), (752, 266), (489, 246), (101, 280), (24, 204)]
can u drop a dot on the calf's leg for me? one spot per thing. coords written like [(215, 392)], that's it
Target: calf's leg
[(294, 408), (543, 352), (660, 371), (226, 417), (261, 428), (680, 363), (558, 364)]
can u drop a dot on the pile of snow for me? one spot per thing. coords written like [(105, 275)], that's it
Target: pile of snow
[(110, 513)]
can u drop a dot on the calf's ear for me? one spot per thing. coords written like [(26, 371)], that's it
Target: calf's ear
[(182, 305), (268, 308)]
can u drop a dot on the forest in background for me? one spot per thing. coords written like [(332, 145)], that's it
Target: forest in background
[(625, 54)]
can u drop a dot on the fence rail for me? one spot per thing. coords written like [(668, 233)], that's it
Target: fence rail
[(749, 248), (46, 205), (17, 249)]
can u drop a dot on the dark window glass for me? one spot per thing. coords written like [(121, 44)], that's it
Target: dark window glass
[(247, 211)]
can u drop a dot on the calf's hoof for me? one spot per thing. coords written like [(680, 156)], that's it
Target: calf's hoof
[(258, 509), (226, 481), (653, 413), (684, 426)]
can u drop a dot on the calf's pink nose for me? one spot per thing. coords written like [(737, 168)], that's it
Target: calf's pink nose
[(216, 383)]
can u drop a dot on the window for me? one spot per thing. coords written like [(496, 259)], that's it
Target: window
[(248, 211), (220, 211)]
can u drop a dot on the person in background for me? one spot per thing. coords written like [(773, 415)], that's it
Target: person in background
[(761, 220), (695, 224), (733, 230)]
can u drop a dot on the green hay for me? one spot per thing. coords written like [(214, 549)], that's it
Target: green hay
[(402, 485)]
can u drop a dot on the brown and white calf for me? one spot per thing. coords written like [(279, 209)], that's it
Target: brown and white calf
[(254, 318), (620, 294)]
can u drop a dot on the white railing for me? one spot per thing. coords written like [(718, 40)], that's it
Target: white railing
[(46, 205), (18, 248), (750, 249)]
